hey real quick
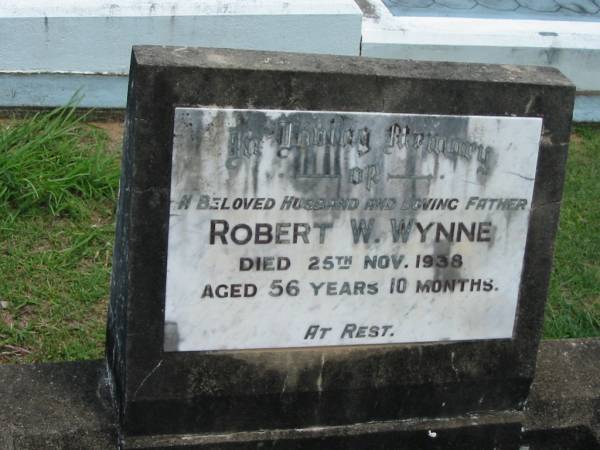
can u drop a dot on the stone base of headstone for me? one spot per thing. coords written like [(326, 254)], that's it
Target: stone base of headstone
[(66, 406), (486, 431)]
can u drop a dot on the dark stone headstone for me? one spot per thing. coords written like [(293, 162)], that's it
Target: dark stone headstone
[(437, 313)]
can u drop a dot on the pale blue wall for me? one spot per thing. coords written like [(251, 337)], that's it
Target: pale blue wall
[(49, 49)]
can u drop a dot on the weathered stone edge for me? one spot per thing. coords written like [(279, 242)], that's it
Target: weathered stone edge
[(219, 58)]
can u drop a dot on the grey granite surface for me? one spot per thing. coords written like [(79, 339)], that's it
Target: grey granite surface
[(515, 9)]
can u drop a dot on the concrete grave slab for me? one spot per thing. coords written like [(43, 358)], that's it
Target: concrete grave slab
[(560, 34)]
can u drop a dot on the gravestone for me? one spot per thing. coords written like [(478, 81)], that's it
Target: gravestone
[(353, 244)]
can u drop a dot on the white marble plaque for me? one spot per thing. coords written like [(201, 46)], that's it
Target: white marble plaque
[(305, 229)]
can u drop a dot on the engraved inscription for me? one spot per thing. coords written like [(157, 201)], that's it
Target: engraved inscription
[(300, 229)]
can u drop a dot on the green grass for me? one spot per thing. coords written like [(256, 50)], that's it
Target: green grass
[(58, 183), (573, 308)]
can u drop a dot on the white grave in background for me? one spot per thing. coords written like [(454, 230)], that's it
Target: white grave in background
[(51, 49), (561, 34)]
